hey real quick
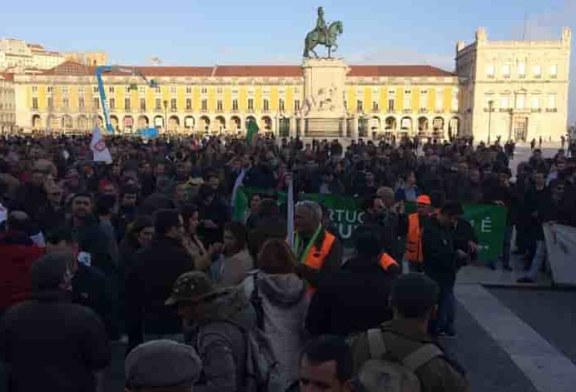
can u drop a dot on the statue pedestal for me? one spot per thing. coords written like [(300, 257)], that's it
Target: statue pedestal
[(324, 85)]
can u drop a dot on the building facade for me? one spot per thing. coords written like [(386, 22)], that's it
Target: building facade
[(514, 89), (387, 99), (7, 103)]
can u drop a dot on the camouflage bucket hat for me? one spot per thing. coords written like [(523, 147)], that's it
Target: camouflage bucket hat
[(191, 287)]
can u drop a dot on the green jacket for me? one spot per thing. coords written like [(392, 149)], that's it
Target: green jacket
[(402, 339)]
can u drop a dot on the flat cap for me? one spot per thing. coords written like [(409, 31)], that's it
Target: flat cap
[(162, 364)]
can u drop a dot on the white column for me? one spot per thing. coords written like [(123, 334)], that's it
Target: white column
[(302, 127), (344, 127), (355, 128), (292, 130)]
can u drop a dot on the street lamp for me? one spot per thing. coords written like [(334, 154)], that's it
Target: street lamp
[(490, 108), (165, 115)]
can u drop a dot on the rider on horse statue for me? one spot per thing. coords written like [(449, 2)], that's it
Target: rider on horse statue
[(321, 26)]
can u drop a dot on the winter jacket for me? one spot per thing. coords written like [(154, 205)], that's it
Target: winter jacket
[(234, 269), (284, 303), (17, 254), (440, 261), (92, 239), (32, 200), (441, 374), (350, 300), (49, 344), (220, 340), (149, 284)]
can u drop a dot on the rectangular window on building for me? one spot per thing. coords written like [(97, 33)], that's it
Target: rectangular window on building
[(266, 105), (407, 104), (173, 104), (551, 102), (250, 103), (50, 89), (188, 104), (158, 90), (143, 104), (35, 103), (64, 90), (219, 90), (375, 107), (34, 89), (81, 103), (281, 104), (423, 100), (127, 90), (188, 89), (219, 105), (490, 71), (173, 90), (505, 101), (81, 90), (95, 103), (454, 102), (537, 70), (158, 105), (535, 101), (235, 105), (391, 105), (297, 105), (554, 71), (204, 90), (112, 104), (204, 105), (521, 69), (506, 71), (95, 89), (111, 89), (141, 90), (520, 101), (127, 103)]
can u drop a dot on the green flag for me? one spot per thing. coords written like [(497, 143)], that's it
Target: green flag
[(252, 133)]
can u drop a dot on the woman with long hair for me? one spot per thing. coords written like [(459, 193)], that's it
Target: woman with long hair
[(279, 297), (235, 261), (138, 236), (192, 242)]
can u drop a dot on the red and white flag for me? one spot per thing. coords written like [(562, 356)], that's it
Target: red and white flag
[(98, 146)]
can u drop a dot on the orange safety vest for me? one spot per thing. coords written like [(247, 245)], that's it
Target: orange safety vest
[(316, 257), (414, 241), (387, 261)]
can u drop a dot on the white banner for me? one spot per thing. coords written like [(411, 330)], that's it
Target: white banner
[(561, 247), (98, 147)]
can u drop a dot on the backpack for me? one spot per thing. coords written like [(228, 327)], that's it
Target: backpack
[(383, 373), (262, 369), (256, 302)]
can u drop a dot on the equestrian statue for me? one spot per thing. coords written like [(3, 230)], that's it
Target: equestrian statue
[(323, 34)]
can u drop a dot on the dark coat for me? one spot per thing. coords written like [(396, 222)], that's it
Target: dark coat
[(148, 286), (439, 252), (92, 239), (17, 254), (332, 263), (32, 200), (350, 300), (52, 345)]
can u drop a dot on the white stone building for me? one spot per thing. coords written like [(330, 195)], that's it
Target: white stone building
[(514, 89), (7, 103)]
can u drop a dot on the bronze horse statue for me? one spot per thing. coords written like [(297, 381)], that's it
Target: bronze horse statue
[(315, 38)]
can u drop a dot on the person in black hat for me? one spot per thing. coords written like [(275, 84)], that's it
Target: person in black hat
[(162, 365), (48, 343)]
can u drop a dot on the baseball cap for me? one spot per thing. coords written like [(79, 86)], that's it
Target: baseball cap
[(162, 364), (191, 287), (424, 199)]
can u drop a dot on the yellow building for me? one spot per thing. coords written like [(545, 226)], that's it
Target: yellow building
[(387, 99)]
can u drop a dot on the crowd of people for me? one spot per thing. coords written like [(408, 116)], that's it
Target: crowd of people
[(145, 251)]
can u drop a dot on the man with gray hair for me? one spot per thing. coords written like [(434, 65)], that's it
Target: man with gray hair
[(49, 344), (317, 250), (162, 366)]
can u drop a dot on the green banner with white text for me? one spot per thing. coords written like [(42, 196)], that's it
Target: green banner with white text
[(488, 220)]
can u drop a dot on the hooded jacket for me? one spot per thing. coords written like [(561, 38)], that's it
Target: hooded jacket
[(285, 303), (219, 336)]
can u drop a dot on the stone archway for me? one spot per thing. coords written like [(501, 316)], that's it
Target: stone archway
[(220, 123), (173, 124), (158, 122), (266, 122), (115, 123), (390, 124), (235, 123), (52, 122), (375, 124), (189, 123), (423, 126), (406, 125), (143, 122), (204, 123), (36, 122), (83, 123), (438, 128), (249, 119), (128, 123), (454, 127)]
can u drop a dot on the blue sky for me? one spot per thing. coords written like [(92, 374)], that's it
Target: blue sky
[(202, 32)]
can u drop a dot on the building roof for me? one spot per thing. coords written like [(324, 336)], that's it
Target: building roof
[(7, 76), (284, 71)]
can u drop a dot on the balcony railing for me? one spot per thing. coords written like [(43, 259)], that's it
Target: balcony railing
[(551, 110), (407, 111), (536, 110), (173, 109), (423, 110)]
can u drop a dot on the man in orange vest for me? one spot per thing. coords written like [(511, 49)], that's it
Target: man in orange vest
[(416, 222), (317, 250)]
